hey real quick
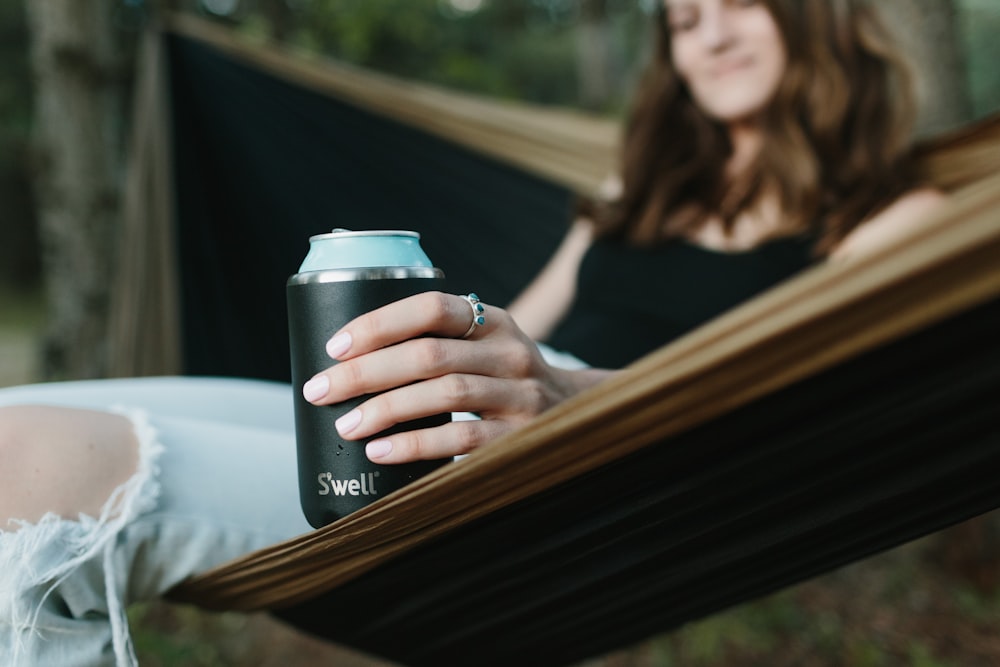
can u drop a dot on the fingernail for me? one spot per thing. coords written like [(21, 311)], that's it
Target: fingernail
[(376, 449), (316, 388), (348, 422), (339, 344)]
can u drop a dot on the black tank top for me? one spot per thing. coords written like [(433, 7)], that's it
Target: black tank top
[(631, 301)]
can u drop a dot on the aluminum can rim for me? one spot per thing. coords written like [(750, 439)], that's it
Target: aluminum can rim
[(347, 233), (365, 273)]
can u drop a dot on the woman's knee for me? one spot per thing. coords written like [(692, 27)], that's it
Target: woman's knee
[(61, 460)]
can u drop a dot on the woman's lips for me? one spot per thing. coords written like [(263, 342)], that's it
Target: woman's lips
[(730, 67)]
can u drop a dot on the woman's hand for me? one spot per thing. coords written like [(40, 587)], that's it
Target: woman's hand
[(413, 351)]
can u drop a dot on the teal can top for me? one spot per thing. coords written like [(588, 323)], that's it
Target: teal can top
[(346, 249)]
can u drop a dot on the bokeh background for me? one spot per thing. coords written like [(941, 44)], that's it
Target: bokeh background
[(934, 602)]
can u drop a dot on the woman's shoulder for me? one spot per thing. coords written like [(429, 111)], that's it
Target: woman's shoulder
[(897, 220)]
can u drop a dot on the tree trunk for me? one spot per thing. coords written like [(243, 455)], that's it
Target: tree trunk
[(19, 266), (279, 19), (928, 32), (593, 56), (77, 141)]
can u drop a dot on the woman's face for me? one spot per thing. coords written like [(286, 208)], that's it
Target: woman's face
[(730, 54)]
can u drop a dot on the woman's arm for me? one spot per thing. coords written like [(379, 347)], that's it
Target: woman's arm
[(544, 302), (895, 222)]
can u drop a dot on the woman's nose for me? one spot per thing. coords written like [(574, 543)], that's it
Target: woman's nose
[(717, 26)]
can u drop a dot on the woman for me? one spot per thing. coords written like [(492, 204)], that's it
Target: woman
[(765, 136)]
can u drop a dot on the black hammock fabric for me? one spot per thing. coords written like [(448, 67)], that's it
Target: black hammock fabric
[(262, 164), (897, 443)]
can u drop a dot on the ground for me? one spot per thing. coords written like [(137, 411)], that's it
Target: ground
[(932, 603)]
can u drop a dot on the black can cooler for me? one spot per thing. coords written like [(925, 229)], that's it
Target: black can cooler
[(344, 275)]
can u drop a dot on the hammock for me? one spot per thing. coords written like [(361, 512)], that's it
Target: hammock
[(847, 411)]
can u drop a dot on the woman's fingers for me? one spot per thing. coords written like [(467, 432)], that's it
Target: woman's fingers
[(428, 313), (514, 401), (421, 359), (430, 354), (401, 364), (453, 439)]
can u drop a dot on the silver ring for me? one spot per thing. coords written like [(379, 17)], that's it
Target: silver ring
[(478, 313)]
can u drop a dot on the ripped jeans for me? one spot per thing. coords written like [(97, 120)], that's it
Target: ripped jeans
[(216, 479)]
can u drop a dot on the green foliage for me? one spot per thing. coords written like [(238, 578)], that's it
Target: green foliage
[(515, 49), (976, 605), (921, 656), (980, 24), (21, 308), (181, 636)]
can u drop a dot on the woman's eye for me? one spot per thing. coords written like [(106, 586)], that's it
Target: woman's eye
[(682, 21)]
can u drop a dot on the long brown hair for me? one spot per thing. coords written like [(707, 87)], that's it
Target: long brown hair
[(836, 146)]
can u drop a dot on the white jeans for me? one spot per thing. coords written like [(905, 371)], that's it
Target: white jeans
[(217, 479)]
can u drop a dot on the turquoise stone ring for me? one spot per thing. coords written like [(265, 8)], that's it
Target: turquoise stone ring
[(478, 313)]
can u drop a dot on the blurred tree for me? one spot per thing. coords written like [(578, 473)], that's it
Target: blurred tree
[(593, 55), (928, 31), (80, 79), (279, 17), (979, 25), (19, 266)]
